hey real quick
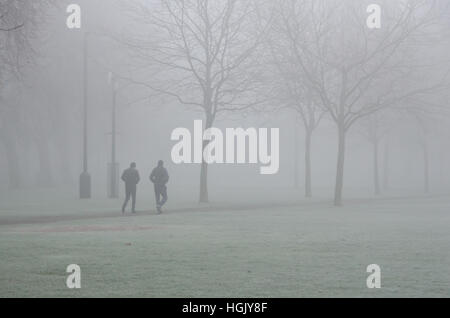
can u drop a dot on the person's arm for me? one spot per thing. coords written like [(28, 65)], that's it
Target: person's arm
[(166, 177), (152, 176), (123, 176), (138, 177)]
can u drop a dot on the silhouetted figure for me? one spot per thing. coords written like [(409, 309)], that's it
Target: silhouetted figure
[(160, 177), (131, 178)]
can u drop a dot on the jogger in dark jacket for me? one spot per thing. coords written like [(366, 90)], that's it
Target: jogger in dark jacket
[(131, 178), (160, 177)]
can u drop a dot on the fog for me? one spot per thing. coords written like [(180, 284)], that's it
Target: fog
[(224, 148), (285, 71)]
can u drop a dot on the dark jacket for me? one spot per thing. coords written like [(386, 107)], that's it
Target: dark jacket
[(131, 177), (159, 176)]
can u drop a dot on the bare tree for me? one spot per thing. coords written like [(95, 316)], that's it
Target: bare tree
[(356, 71), (202, 54), (19, 21), (375, 128), (292, 93), (426, 125)]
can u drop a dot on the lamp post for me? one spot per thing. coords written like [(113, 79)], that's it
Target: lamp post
[(113, 166), (85, 177)]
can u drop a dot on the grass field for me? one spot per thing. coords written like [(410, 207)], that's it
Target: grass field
[(295, 249)]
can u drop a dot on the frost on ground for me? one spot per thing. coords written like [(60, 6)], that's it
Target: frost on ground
[(300, 249)]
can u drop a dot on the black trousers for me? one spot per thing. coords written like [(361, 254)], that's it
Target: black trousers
[(130, 192), (160, 191)]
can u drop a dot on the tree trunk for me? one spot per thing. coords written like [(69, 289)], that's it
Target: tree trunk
[(426, 174), (375, 168), (44, 177), (296, 154), (340, 167), (204, 197), (308, 190), (12, 158), (386, 167)]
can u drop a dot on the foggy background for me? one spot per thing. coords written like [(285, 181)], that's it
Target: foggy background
[(41, 100), (364, 174)]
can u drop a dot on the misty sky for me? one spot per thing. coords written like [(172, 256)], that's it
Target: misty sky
[(50, 93)]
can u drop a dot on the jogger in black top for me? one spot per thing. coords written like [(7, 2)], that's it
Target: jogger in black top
[(131, 178), (160, 177)]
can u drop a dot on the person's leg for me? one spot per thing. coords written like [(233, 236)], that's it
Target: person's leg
[(127, 198), (133, 200), (157, 195), (164, 195), (158, 198)]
